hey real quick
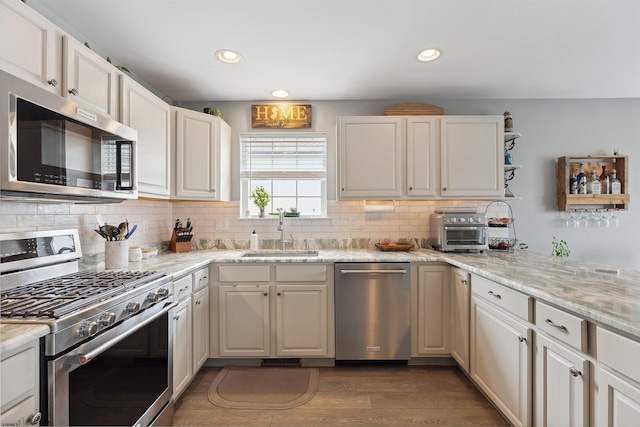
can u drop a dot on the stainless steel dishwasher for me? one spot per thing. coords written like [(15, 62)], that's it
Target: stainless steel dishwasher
[(372, 303)]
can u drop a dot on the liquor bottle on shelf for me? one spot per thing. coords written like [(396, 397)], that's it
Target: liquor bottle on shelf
[(573, 184), (594, 184), (582, 181), (616, 187), (604, 181)]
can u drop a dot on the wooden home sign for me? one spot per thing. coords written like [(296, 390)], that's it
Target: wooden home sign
[(281, 116)]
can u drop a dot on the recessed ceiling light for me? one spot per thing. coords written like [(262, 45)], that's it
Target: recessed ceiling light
[(228, 56), (280, 93), (428, 54)]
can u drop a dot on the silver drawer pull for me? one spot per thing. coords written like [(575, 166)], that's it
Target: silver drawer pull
[(522, 339), (575, 372), (495, 295), (550, 323)]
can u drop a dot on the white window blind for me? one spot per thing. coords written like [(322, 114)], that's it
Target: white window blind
[(280, 156)]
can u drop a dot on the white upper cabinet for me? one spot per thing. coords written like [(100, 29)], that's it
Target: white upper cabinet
[(371, 157), (151, 117), (472, 156), (202, 156), (89, 79), (30, 46), (421, 156)]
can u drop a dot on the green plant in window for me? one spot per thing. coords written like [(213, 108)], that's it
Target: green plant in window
[(560, 248), (260, 197)]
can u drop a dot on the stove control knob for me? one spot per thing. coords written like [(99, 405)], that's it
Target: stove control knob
[(163, 292), (132, 308), (463, 220), (152, 297), (87, 329), (106, 319), (453, 220)]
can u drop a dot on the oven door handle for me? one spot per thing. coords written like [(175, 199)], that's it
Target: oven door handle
[(465, 227), (82, 359)]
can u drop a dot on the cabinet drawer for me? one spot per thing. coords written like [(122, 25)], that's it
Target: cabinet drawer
[(564, 326), (182, 288), (301, 273), (244, 273), (508, 299), (619, 353), (200, 279)]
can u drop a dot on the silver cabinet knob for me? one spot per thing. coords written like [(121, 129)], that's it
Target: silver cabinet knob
[(522, 339), (73, 91), (575, 372), (87, 329), (106, 319), (53, 82), (266, 294), (34, 419)]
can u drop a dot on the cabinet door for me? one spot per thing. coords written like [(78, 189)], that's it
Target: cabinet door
[(422, 164), (244, 320), (472, 156), (301, 320), (617, 399), (371, 157), (433, 310), (501, 360), (202, 156), (88, 79), (20, 385), (562, 385), (182, 351), (200, 328), (150, 116), (460, 296), (39, 63)]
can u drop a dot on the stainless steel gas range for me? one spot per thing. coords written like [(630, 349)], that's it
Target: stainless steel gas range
[(107, 359)]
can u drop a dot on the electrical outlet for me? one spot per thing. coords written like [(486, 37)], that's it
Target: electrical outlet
[(222, 224)]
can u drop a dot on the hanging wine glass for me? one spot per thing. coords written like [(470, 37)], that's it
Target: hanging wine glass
[(613, 220), (603, 221), (593, 220), (582, 220), (571, 221)]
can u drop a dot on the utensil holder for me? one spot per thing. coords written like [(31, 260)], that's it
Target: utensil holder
[(178, 247), (116, 254)]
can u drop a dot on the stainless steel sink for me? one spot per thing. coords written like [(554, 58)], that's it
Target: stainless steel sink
[(281, 254)]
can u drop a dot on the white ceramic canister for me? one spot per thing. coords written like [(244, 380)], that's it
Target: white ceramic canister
[(116, 254), (135, 254)]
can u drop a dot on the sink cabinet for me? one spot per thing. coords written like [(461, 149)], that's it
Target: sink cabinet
[(275, 310)]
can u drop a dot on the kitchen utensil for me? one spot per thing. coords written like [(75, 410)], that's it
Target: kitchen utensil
[(101, 232), (122, 230), (130, 233)]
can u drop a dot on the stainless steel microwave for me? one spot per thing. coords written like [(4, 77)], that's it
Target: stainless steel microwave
[(55, 149)]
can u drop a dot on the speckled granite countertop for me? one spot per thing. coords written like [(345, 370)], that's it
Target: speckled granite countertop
[(611, 299), (14, 336)]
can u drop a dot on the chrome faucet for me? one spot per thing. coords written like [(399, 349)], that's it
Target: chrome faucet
[(281, 228)]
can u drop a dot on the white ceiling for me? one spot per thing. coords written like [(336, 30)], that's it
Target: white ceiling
[(366, 49)]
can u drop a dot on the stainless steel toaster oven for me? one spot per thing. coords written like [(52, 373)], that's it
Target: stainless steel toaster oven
[(458, 231)]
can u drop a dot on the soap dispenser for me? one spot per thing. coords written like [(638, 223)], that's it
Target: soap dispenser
[(254, 241)]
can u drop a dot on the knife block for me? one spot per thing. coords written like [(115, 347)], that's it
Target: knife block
[(178, 247)]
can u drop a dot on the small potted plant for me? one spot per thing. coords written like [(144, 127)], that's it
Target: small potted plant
[(214, 111), (560, 248), (260, 199)]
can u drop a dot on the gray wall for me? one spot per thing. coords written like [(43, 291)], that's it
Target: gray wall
[(550, 129)]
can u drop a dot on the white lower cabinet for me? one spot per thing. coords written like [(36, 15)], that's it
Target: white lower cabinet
[(562, 385), (433, 310), (460, 299), (275, 311), (190, 328), (617, 380), (20, 392), (500, 357)]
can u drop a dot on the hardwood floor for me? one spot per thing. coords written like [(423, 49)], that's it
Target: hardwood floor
[(357, 396)]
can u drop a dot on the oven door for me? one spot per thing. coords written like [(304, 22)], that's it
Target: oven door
[(465, 237), (121, 377)]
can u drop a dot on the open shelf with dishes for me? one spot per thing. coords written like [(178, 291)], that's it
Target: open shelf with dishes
[(569, 166), (509, 169)]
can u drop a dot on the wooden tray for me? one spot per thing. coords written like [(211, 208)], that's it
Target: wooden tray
[(413, 109), (396, 248)]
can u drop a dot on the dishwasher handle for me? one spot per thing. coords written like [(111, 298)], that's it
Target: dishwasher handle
[(392, 271)]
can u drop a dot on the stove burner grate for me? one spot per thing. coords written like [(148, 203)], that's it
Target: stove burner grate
[(61, 296)]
